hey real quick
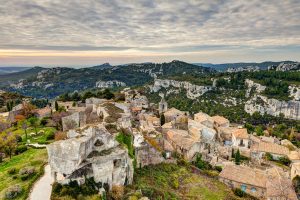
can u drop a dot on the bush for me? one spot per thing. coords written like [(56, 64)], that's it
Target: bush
[(238, 192), (284, 160), (44, 121), (50, 136), (12, 171), (24, 177), (269, 156), (21, 149), (60, 136), (117, 192), (13, 192), (218, 168), (56, 188), (27, 171)]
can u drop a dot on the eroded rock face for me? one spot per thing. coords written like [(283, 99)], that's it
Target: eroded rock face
[(90, 151), (262, 104), (251, 85), (192, 91), (110, 84)]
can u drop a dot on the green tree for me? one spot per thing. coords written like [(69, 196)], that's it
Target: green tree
[(56, 106), (34, 123), (237, 157), (162, 119), (24, 127)]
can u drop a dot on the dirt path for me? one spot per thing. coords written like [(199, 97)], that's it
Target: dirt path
[(42, 188)]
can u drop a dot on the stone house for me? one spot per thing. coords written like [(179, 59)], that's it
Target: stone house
[(225, 134), (183, 143), (43, 112), (201, 132), (17, 110), (162, 106), (75, 120), (204, 119), (147, 155), (269, 184), (240, 138), (172, 115), (220, 121), (249, 180), (90, 151), (258, 150)]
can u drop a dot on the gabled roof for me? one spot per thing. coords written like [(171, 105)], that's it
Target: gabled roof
[(220, 120), (181, 138), (240, 133), (270, 148), (173, 111), (243, 174)]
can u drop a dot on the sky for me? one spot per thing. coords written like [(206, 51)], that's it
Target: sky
[(90, 32)]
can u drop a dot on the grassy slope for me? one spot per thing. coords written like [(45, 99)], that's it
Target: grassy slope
[(33, 157), (170, 181)]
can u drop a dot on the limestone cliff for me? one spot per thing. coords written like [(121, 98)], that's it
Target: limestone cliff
[(192, 91)]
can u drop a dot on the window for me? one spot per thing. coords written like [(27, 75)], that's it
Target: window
[(253, 189), (243, 188)]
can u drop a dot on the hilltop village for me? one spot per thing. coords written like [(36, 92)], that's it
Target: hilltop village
[(107, 140)]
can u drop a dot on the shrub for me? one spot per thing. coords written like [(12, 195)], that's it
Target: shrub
[(117, 192), (218, 168), (27, 171), (284, 160), (60, 136), (21, 149), (238, 192), (13, 192), (50, 136), (12, 171), (56, 188), (24, 177), (269, 156), (44, 121)]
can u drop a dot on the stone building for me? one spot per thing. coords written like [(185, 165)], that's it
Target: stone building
[(258, 150), (174, 114), (220, 121), (240, 138), (147, 155), (183, 143), (162, 105), (204, 119), (90, 151), (75, 120), (269, 184)]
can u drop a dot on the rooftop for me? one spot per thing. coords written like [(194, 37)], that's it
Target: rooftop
[(243, 174), (181, 138), (220, 120), (173, 111), (241, 133), (270, 148)]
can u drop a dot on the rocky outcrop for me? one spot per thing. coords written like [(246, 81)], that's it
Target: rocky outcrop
[(253, 87), (90, 151), (109, 84), (274, 107), (294, 92), (241, 69), (288, 66), (192, 91)]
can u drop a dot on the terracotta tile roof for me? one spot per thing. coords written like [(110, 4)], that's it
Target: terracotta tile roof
[(200, 117), (243, 174), (220, 120), (43, 111), (270, 148), (167, 125), (136, 109), (241, 133), (173, 111), (279, 187), (180, 138)]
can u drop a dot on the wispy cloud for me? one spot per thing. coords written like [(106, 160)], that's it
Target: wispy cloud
[(148, 25)]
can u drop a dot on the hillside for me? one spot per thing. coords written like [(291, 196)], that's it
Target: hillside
[(51, 82)]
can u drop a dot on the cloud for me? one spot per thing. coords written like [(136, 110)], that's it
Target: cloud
[(148, 25)]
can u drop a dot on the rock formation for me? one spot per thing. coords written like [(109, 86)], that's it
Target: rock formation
[(90, 151)]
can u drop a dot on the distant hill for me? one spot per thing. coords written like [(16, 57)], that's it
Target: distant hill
[(7, 70), (225, 66), (51, 82)]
